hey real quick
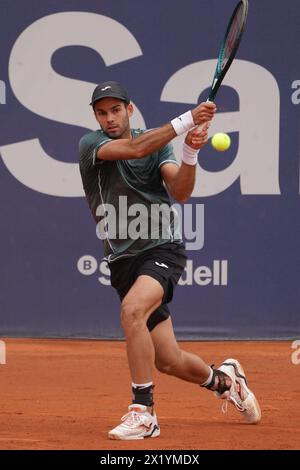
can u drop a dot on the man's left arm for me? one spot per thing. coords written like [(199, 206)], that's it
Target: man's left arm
[(180, 181)]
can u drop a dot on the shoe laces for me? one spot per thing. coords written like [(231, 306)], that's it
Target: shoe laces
[(233, 397), (237, 403), (224, 407), (132, 418)]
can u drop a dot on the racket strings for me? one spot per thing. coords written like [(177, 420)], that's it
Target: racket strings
[(233, 35)]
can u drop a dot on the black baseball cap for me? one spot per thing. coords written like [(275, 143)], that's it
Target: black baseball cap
[(110, 90)]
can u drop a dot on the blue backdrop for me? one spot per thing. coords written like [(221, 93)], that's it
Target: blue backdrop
[(242, 279)]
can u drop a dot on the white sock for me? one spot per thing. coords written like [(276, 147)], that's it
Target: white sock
[(209, 379), (148, 384)]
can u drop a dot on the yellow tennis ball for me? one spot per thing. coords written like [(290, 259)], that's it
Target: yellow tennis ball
[(221, 142)]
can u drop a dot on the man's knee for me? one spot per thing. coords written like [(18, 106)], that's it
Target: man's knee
[(170, 364), (132, 315)]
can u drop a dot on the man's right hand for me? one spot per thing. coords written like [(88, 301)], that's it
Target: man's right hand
[(204, 112)]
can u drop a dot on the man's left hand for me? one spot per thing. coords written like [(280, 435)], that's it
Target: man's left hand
[(198, 136)]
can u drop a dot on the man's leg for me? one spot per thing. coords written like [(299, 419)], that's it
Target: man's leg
[(172, 360), (143, 298), (229, 380)]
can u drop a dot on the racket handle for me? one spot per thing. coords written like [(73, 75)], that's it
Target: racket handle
[(200, 127)]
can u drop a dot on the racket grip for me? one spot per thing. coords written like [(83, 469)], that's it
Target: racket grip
[(200, 127)]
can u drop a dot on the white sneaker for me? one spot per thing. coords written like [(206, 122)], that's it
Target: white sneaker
[(138, 423), (239, 394)]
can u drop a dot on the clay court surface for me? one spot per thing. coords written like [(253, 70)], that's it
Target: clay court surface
[(67, 394)]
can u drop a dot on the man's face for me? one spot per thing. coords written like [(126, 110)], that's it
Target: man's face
[(113, 116)]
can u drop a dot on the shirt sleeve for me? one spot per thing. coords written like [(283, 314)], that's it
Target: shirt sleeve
[(166, 155), (88, 148)]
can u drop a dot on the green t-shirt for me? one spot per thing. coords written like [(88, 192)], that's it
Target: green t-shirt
[(127, 198)]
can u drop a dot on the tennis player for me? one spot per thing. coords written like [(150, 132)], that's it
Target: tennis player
[(140, 165)]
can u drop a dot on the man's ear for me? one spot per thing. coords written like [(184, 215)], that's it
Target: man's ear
[(130, 109)]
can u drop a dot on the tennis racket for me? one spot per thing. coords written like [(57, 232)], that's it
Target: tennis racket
[(229, 46)]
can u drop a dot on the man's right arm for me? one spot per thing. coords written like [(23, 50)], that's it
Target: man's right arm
[(149, 142)]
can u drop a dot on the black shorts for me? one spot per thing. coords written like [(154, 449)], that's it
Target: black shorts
[(164, 263)]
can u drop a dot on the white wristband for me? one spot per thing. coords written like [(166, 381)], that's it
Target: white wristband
[(183, 123), (189, 155)]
